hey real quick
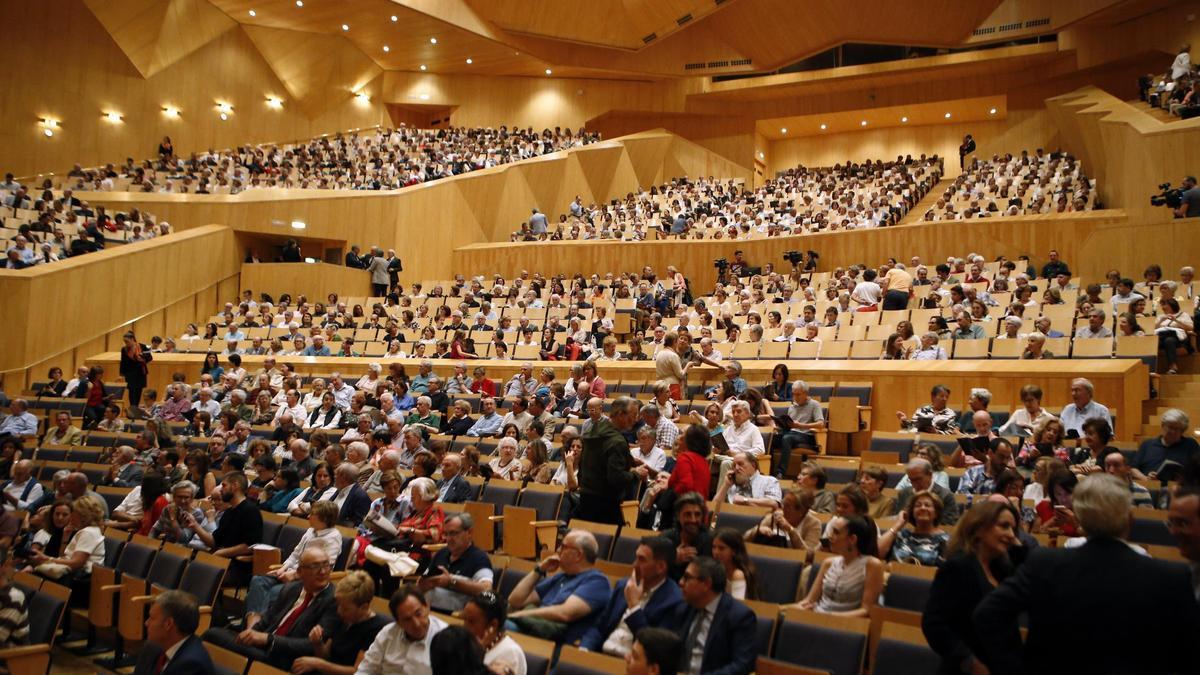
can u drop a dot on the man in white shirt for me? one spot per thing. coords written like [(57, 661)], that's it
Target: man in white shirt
[(291, 407), (22, 490), (402, 648), (742, 435), (749, 487), (518, 415), (20, 422), (342, 392), (206, 403), (646, 452)]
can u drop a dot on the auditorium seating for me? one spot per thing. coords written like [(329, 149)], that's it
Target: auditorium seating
[(369, 159), (53, 219), (1020, 185)]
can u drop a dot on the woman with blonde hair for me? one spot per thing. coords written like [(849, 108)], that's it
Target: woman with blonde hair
[(84, 549)]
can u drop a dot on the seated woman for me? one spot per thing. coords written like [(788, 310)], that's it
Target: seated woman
[(422, 526), (780, 387), (336, 652), (924, 543), (1174, 329), (813, 477), (1043, 468), (1054, 513), (1089, 458), (322, 533), (849, 582), (871, 481), (52, 535), (534, 463), (287, 487), (935, 418), (932, 454), (793, 525), (1046, 440), (506, 466), (385, 515), (85, 548), (729, 549), (1032, 414), (976, 562), (325, 416), (1035, 347)]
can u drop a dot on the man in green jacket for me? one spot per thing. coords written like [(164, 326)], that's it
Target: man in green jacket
[(605, 467)]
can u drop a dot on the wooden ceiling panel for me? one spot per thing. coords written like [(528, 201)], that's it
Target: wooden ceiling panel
[(319, 70), (154, 34)]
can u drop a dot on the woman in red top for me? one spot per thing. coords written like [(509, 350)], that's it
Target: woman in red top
[(691, 472), (1056, 513), (97, 399), (481, 384), (154, 500), (458, 347)]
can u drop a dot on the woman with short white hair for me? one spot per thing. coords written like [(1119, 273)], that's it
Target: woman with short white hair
[(368, 383), (506, 466)]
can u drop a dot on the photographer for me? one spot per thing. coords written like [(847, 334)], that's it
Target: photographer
[(1189, 205)]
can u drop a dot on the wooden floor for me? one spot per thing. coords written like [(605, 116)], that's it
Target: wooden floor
[(1157, 113)]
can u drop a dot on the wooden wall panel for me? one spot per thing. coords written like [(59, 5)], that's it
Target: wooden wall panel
[(52, 309), (67, 46), (1162, 30), (1120, 383), (315, 281)]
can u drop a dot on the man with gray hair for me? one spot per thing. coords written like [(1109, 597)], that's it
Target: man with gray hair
[(1074, 594), (352, 501), (171, 642), (920, 478), (341, 390), (565, 604), (606, 472), (458, 572), (743, 435), (1164, 456), (123, 471), (665, 431), (388, 461), (1082, 408)]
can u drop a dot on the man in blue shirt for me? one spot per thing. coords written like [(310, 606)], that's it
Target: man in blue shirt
[(1082, 407), (20, 422), (317, 348), (564, 606), (981, 478), (489, 423), (1172, 446)]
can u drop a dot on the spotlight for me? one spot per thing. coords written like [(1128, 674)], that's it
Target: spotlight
[(422, 66), (947, 115), (470, 61), (549, 72), (395, 18), (386, 49), (170, 111), (113, 117), (823, 127), (253, 13), (783, 130), (433, 41), (904, 120), (345, 26), (273, 102), (992, 111), (863, 123)]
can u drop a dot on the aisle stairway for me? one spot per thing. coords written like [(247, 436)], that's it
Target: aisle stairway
[(1157, 113), (1176, 391), (918, 212)]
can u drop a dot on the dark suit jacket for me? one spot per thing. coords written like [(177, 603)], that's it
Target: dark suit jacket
[(730, 648), (321, 611), (191, 659), (957, 589), (656, 612), (1076, 597), (355, 508), (459, 490)]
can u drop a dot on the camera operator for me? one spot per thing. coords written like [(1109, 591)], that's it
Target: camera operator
[(1189, 206)]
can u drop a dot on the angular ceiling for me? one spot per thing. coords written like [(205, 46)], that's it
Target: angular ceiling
[(156, 33)]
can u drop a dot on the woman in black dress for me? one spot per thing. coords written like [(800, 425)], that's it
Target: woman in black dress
[(135, 358), (977, 561)]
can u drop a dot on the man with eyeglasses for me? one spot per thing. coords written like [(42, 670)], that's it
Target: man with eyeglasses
[(281, 634), (563, 606), (459, 571), (717, 630)]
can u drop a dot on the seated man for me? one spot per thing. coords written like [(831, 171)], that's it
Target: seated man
[(20, 422), (1082, 408), (264, 588), (1164, 456), (23, 490), (182, 518), (124, 471), (282, 634), (403, 646), (564, 606), (453, 488), (981, 479), (648, 598), (239, 528), (459, 571), (336, 652), (489, 423), (804, 416), (1115, 465), (171, 643), (743, 435), (717, 630), (748, 487)]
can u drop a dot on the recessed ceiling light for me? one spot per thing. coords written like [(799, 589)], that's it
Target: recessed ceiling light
[(470, 61), (299, 225), (170, 111), (823, 127), (299, 3), (387, 48), (423, 97), (253, 13), (863, 123), (904, 119), (224, 107), (992, 111), (48, 132), (345, 26), (395, 18), (947, 115), (363, 97), (433, 41), (113, 117), (273, 102), (224, 117), (422, 66), (783, 130), (761, 155), (549, 72)]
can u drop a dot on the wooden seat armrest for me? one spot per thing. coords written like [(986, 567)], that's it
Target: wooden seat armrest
[(24, 650), (141, 599), (496, 519), (338, 576), (275, 566), (110, 588), (244, 558), (545, 523)]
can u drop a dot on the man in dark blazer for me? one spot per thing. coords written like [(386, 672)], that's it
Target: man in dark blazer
[(1074, 595), (717, 630), (172, 647), (280, 636), (355, 500), (453, 488), (654, 595)]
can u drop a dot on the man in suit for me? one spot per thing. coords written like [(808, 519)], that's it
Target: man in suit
[(920, 478), (648, 598), (124, 472), (717, 630), (281, 634), (353, 502), (394, 268), (453, 488), (1072, 595), (172, 647), (377, 265), (354, 260)]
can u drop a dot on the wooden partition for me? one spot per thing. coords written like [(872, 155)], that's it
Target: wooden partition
[(61, 313), (1128, 151), (1121, 384), (314, 280), (426, 221), (1091, 242)]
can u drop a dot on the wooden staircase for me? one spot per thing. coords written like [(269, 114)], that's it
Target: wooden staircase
[(917, 214), (1180, 391), (1157, 113)]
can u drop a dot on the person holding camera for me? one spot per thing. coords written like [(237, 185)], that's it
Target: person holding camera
[(1189, 204)]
